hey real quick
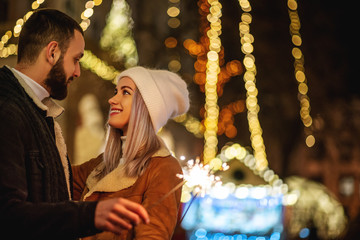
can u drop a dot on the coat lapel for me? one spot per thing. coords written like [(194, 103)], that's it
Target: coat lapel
[(117, 179)]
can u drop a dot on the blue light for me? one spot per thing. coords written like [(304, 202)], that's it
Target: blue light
[(304, 233), (275, 236), (200, 233), (218, 236), (247, 215), (241, 237)]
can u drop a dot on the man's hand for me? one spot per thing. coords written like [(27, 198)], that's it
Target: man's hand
[(116, 214)]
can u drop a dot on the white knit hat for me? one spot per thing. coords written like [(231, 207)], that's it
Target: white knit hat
[(165, 93)]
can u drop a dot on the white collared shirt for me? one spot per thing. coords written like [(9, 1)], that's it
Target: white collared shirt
[(39, 90)]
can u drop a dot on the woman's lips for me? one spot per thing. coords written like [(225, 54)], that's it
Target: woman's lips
[(114, 111)]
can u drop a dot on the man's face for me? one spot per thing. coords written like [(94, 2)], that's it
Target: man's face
[(66, 68)]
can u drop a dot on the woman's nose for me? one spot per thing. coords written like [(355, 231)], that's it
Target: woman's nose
[(111, 101)]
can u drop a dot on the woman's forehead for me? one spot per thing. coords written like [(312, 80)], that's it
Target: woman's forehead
[(126, 81)]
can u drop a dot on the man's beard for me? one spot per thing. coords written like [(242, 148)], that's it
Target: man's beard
[(56, 80)]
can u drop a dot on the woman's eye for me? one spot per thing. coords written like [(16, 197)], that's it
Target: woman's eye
[(115, 91), (125, 92)]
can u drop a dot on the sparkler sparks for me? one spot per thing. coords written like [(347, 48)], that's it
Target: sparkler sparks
[(197, 177), (200, 178)]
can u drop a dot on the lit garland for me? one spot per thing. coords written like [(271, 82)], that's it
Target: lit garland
[(226, 118), (88, 12), (315, 207), (212, 71), (171, 42), (236, 151), (300, 72), (12, 48), (228, 70), (117, 35), (247, 48), (192, 124), (98, 66)]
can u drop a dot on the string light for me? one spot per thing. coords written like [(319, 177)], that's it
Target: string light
[(236, 151), (98, 66), (228, 70), (192, 124), (226, 118), (315, 207), (247, 48), (212, 71), (88, 12), (300, 72), (171, 42), (200, 50), (11, 49)]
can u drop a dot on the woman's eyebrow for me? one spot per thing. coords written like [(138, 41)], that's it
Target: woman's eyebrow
[(125, 86)]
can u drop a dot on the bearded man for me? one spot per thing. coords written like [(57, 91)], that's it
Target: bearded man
[(35, 172)]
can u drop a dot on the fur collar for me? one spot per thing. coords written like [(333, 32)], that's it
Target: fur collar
[(117, 179)]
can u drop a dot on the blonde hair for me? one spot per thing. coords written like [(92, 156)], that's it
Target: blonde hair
[(141, 142)]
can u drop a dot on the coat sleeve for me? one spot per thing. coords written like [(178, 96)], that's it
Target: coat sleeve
[(80, 175), (20, 218), (163, 216)]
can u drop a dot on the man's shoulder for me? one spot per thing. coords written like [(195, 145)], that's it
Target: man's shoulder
[(8, 81), (9, 85), (6, 72), (12, 98)]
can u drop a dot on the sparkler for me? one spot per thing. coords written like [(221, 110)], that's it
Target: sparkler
[(198, 178)]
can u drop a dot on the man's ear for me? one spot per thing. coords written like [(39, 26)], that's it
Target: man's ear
[(53, 52)]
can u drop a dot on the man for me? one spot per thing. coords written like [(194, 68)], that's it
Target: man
[(35, 174)]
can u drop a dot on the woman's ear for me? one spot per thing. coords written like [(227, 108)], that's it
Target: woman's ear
[(53, 52)]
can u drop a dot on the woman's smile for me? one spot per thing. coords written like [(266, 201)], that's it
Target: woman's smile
[(115, 111)]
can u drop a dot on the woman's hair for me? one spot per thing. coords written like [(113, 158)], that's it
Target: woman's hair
[(141, 142), (44, 26)]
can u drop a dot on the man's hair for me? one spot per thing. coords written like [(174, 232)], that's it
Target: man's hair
[(44, 26)]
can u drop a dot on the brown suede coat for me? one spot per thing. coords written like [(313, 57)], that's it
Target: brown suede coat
[(157, 180)]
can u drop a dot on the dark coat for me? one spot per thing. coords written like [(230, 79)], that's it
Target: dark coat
[(34, 200)]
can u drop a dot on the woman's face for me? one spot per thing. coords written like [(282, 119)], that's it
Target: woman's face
[(120, 104)]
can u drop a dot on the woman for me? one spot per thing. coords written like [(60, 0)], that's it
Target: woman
[(136, 163)]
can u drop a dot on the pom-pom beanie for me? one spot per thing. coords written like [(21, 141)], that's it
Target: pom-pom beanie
[(165, 93)]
